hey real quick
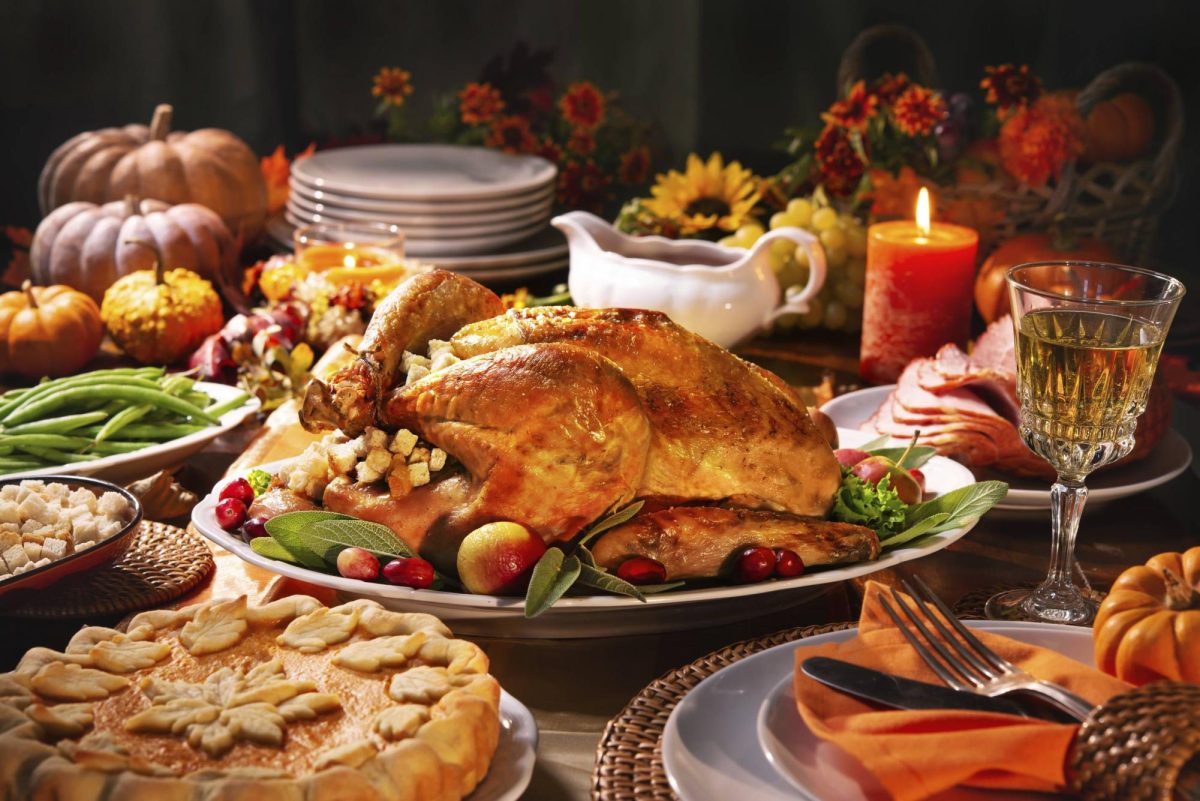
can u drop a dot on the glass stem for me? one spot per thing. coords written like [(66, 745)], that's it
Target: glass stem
[(1066, 501)]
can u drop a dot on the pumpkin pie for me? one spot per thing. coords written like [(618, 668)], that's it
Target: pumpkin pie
[(289, 701)]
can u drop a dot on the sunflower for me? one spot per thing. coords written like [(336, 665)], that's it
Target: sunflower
[(512, 135), (917, 110), (707, 196), (392, 85), (855, 111), (582, 105), (479, 103)]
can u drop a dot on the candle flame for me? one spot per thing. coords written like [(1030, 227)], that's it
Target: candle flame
[(349, 261), (923, 211)]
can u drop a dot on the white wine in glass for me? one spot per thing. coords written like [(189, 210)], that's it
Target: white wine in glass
[(1088, 339)]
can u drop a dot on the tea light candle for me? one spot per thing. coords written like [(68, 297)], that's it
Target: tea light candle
[(918, 292)]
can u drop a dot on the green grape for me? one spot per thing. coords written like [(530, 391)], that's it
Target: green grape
[(833, 239), (750, 232), (783, 248), (792, 274), (787, 322), (801, 210), (781, 219), (812, 318), (836, 258), (835, 315), (856, 271), (824, 219), (856, 242), (730, 241), (801, 257), (849, 293)]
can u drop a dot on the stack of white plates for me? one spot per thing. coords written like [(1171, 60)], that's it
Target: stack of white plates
[(469, 209)]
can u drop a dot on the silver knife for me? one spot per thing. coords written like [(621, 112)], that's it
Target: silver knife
[(899, 692)]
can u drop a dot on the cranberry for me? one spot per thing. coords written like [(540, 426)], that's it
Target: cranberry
[(788, 564), (240, 489), (231, 513), (642, 570), (920, 477), (411, 572), (754, 565), (255, 527), (358, 563)]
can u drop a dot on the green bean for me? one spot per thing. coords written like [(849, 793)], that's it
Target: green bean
[(114, 446), (121, 419), (218, 409), (56, 425), (159, 432), (24, 441), (20, 465), (16, 415), (137, 395), (55, 456), (11, 399)]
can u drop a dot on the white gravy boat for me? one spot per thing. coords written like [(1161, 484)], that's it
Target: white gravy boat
[(723, 294)]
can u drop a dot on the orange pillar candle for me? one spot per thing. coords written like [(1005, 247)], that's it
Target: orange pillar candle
[(918, 293)]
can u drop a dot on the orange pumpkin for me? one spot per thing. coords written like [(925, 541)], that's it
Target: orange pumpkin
[(1148, 628), (47, 331), (991, 293), (1118, 129)]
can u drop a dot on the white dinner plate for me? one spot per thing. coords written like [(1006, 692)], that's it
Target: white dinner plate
[(512, 764), (599, 615), (446, 245), (424, 172), (302, 210), (460, 211), (122, 468), (1169, 458), (712, 749)]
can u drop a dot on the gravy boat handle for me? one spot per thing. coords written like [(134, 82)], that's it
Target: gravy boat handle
[(795, 299)]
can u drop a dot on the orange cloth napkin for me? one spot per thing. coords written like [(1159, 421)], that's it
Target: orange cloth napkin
[(919, 753)]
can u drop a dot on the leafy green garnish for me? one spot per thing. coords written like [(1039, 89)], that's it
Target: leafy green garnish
[(599, 579), (915, 457), (552, 576), (962, 506), (328, 537), (259, 480), (270, 548), (876, 507), (288, 530), (611, 521)]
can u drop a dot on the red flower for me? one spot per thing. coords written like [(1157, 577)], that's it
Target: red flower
[(1009, 86), (841, 166), (1037, 140), (479, 103), (549, 150), (581, 143), (917, 110), (888, 86), (635, 166), (392, 85), (512, 135), (582, 185), (855, 111), (582, 105)]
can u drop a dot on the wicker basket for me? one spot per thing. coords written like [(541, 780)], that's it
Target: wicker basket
[(1117, 203)]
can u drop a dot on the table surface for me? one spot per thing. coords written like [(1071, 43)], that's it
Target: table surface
[(575, 686)]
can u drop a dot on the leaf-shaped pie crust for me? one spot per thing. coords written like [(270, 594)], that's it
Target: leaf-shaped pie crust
[(123, 655), (62, 720), (457, 656), (318, 630), (420, 685), (370, 656), (351, 755), (308, 706), (215, 627), (400, 722), (62, 682)]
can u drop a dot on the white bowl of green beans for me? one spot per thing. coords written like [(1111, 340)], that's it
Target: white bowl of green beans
[(119, 424)]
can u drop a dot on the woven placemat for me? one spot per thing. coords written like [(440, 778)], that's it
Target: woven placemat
[(971, 606), (161, 563), (629, 756)]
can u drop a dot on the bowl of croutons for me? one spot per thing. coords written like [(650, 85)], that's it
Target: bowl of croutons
[(53, 526)]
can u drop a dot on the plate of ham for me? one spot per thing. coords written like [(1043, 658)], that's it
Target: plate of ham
[(965, 405)]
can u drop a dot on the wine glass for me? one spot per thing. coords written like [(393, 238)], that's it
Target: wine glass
[(1088, 336)]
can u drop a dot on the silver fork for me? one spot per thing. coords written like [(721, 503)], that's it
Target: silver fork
[(963, 662)]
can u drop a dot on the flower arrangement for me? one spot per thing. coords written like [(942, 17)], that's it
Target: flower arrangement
[(514, 106)]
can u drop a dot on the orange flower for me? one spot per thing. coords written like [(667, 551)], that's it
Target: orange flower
[(1009, 86), (582, 105), (1037, 140), (896, 195), (888, 86), (275, 170), (581, 143), (582, 185), (840, 165), (392, 85), (917, 110), (479, 103), (549, 150), (855, 111), (635, 166), (512, 135)]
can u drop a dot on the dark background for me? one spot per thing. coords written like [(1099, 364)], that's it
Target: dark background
[(711, 74)]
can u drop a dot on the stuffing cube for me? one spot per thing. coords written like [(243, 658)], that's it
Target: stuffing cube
[(82, 499), (9, 492), (416, 374), (437, 347), (33, 507), (54, 548), (9, 512), (437, 459), (56, 491), (375, 438), (419, 455), (379, 460), (443, 360), (45, 560), (14, 557), (398, 481), (360, 446), (403, 442), (32, 526), (33, 550), (83, 546), (8, 539), (111, 504), (84, 528), (367, 474), (297, 480), (107, 528), (418, 474), (342, 458), (410, 360), (33, 485)]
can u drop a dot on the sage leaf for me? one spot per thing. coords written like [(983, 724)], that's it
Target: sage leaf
[(327, 537), (552, 576), (613, 520), (878, 442), (654, 589), (598, 579), (270, 548), (915, 531), (297, 521), (916, 457), (961, 506), (297, 545)]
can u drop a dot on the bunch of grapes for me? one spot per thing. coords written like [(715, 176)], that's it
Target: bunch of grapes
[(838, 307)]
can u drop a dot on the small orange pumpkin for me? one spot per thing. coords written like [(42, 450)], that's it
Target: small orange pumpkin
[(1148, 628), (1118, 129), (48, 331), (991, 293)]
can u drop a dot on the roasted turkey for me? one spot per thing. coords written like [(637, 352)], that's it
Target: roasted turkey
[(558, 415)]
